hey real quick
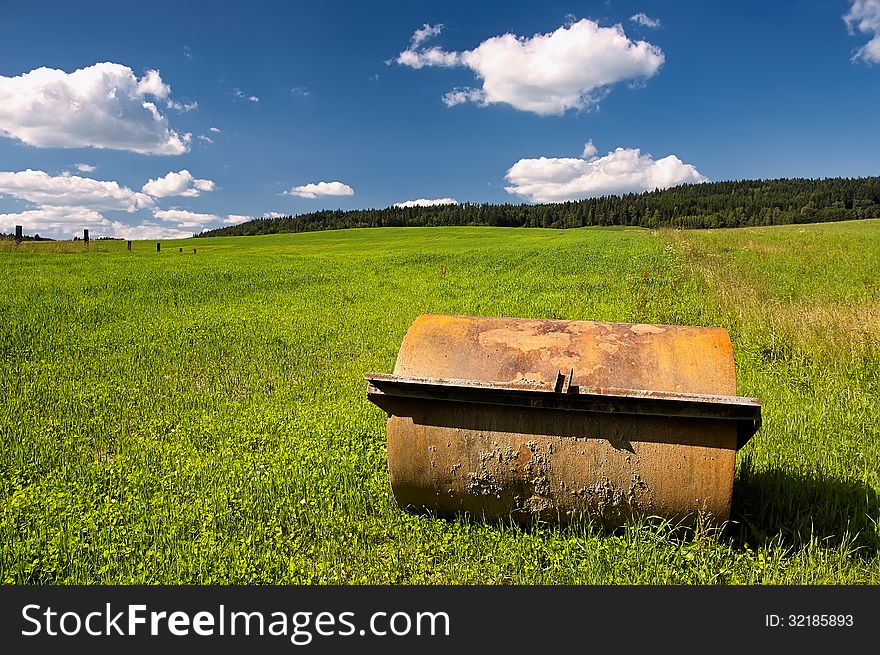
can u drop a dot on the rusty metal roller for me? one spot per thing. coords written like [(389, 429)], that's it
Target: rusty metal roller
[(524, 418)]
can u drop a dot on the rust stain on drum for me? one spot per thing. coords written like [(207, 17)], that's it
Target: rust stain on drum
[(450, 454), (629, 356)]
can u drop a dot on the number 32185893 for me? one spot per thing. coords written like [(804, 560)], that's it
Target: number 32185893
[(809, 620)]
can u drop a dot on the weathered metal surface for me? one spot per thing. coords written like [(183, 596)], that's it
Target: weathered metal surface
[(483, 420)]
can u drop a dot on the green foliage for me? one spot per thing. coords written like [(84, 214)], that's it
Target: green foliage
[(712, 205), (201, 418)]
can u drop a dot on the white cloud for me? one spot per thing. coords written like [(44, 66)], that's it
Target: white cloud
[(185, 218), (151, 84), (66, 204), (644, 20), (148, 230), (215, 130), (424, 33), (181, 183), (241, 95), (461, 95), (206, 139), (71, 191), (590, 151), (624, 170), (273, 215), (417, 57), (303, 91), (85, 168), (320, 189), (182, 107), (427, 202), (432, 56), (100, 106), (52, 221), (864, 17), (60, 222), (570, 68)]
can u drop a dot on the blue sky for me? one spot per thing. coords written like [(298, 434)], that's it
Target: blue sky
[(388, 102)]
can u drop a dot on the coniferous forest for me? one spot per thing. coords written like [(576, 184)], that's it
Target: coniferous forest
[(709, 205)]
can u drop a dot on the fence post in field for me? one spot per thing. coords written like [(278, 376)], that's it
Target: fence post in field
[(129, 246), (158, 246), (86, 236), (180, 250), (194, 251), (17, 234)]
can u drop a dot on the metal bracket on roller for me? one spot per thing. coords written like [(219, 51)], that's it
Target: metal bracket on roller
[(563, 382), (562, 395)]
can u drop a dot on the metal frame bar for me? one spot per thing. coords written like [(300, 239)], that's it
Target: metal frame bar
[(745, 411)]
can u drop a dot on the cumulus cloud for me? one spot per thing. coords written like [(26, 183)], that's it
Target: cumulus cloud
[(320, 189), (459, 96), (432, 56), (148, 230), (51, 221), (185, 218), (568, 69), (644, 20), (181, 183), (85, 168), (101, 106), (60, 222), (864, 17), (215, 130), (68, 190), (624, 170), (590, 151), (424, 33), (64, 205), (415, 56), (151, 84), (273, 215), (426, 202)]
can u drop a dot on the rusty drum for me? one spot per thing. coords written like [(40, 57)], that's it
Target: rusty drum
[(516, 418)]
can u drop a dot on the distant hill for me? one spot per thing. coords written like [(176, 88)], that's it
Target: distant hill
[(710, 205)]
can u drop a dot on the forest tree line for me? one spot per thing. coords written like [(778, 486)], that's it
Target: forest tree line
[(708, 205)]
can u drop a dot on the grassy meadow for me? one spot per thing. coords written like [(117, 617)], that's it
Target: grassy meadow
[(201, 417)]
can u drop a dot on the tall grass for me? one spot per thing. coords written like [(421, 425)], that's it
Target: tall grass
[(201, 418)]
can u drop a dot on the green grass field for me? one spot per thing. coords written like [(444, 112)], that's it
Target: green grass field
[(201, 418)]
